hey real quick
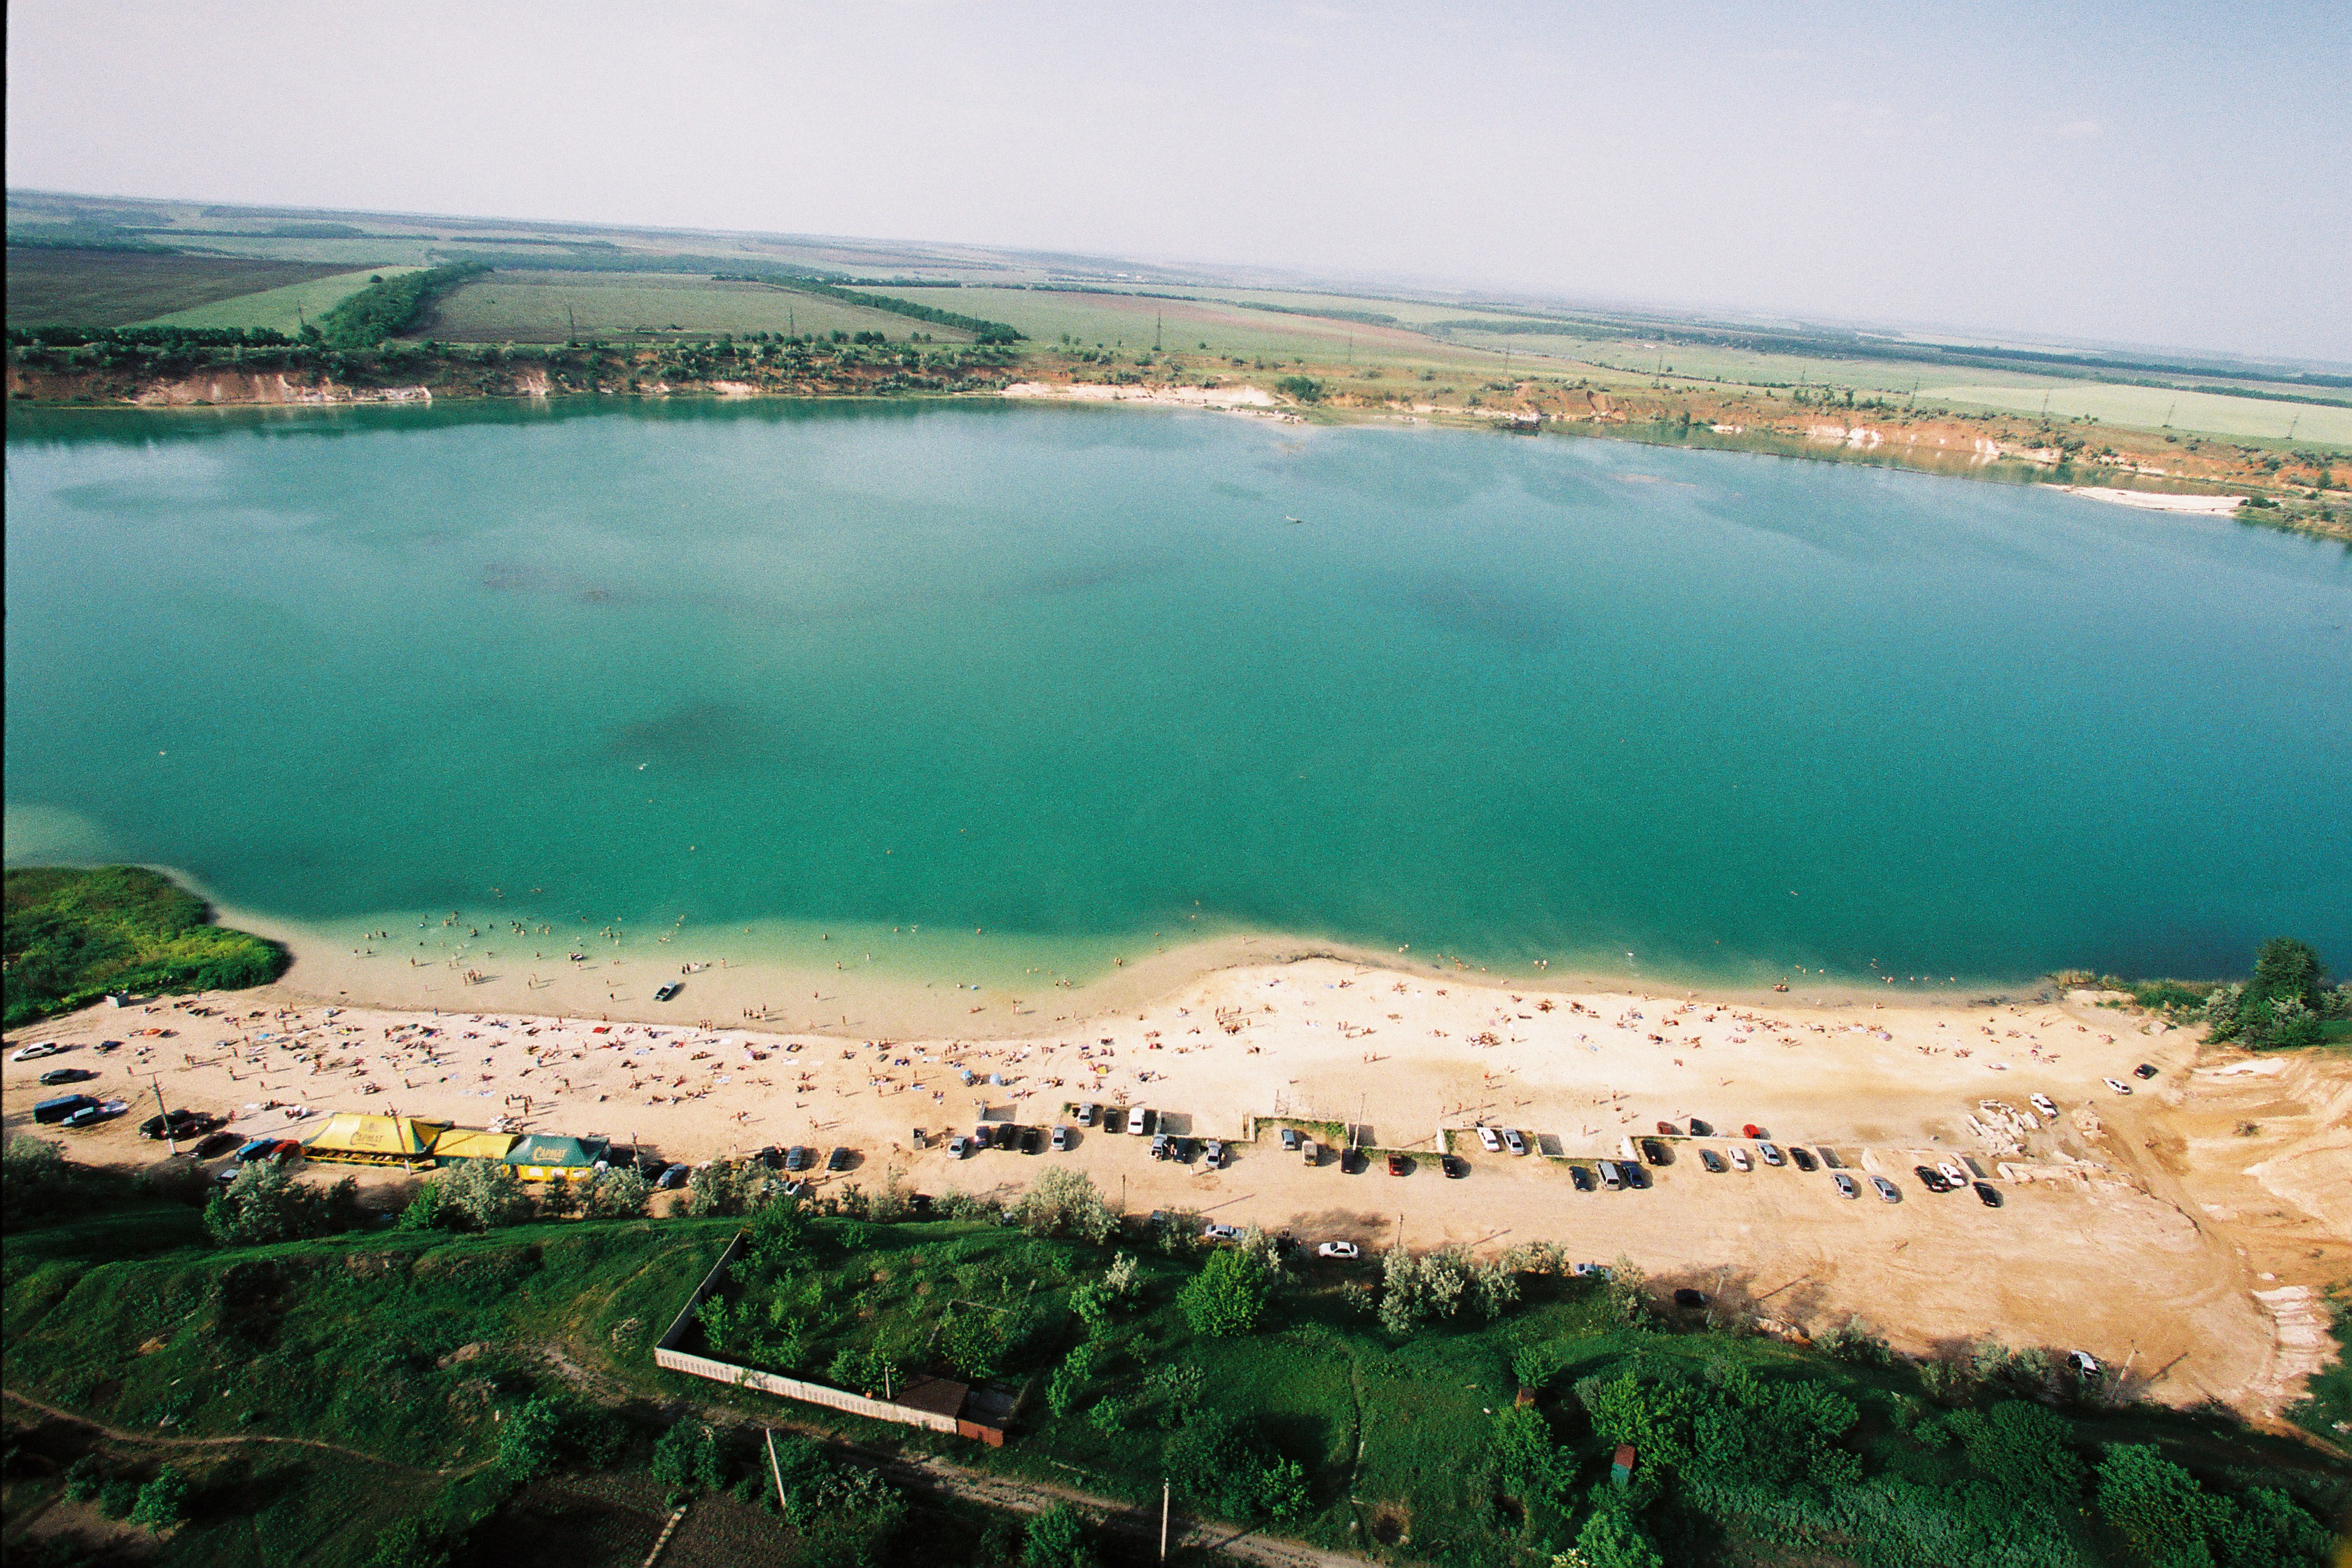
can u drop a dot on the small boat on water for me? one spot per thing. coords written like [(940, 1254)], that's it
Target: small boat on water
[(1293, 520)]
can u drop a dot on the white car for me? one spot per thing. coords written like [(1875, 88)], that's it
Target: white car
[(1339, 1249), (34, 1053), (1846, 1189), (1518, 1145), (1770, 1151), (1490, 1140), (1950, 1171), (1588, 1270), (1138, 1120), (1216, 1232), (2117, 1085), (1215, 1154), (2042, 1103), (1740, 1161)]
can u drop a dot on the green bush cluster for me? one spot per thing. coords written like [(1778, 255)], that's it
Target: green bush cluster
[(74, 935), (2288, 1002), (388, 309)]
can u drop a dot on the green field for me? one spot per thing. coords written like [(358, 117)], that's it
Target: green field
[(1131, 321), (284, 310), (531, 308), (75, 934), (114, 289), (2151, 407)]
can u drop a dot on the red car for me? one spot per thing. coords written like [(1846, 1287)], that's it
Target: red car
[(1751, 1131)]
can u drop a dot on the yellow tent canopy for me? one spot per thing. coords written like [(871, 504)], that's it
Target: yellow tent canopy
[(356, 1137), (470, 1143)]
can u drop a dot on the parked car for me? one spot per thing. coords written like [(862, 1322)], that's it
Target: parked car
[(673, 1175), (1454, 1167), (1611, 1175), (1581, 1179), (35, 1052), (1086, 1114), (772, 1157), (1885, 1190), (1668, 1129), (55, 1076), (1400, 1166), (1751, 1132), (1159, 1145), (1310, 1152), (1216, 1232), (216, 1144), (1490, 1140), (665, 993), (1771, 1153), (2083, 1364), (1846, 1189), (1709, 1160), (254, 1149), (1185, 1152), (957, 1147), (2043, 1103), (1701, 1129), (1954, 1177), (839, 1159), (2118, 1085), (1801, 1157), (1289, 1140), (798, 1159), (2145, 1070), (1931, 1178), (1215, 1154), (1345, 1249), (1741, 1161), (1351, 1160), (1588, 1270), (49, 1112), (1653, 1151), (1032, 1140), (1986, 1194), (1513, 1141), (1061, 1137), (182, 1123), (91, 1115), (1636, 1176), (1139, 1120)]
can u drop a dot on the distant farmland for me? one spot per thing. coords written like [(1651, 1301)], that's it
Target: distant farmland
[(114, 288), (282, 310), (1231, 330), (530, 308)]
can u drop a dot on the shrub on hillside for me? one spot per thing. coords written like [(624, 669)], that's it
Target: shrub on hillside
[(484, 1194), (266, 1205), (1063, 1201), (1229, 1294)]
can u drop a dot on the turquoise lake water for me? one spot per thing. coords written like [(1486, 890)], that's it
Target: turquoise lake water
[(1068, 675)]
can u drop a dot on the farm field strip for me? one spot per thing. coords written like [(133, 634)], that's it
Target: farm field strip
[(114, 289), (530, 307), (283, 310)]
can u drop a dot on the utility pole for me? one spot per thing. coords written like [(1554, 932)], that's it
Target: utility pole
[(155, 1081), (1163, 1520)]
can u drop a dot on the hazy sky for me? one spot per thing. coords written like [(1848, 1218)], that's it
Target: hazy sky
[(2155, 173)]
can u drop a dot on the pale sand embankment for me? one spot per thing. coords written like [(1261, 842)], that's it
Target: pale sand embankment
[(1224, 399), (2152, 1225), (2159, 500)]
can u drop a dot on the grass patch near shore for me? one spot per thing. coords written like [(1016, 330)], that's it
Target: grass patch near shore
[(73, 935)]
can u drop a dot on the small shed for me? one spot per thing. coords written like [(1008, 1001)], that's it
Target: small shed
[(1620, 1466), (358, 1138), (554, 1157)]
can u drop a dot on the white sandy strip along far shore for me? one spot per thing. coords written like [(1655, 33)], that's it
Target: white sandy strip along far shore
[(2093, 1249)]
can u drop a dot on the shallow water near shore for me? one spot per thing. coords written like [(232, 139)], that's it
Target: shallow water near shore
[(1000, 696)]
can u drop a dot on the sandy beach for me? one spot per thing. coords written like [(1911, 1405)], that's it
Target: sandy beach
[(2154, 1230)]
